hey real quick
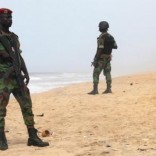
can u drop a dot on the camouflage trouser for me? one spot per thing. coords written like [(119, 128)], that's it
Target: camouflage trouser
[(10, 86), (105, 65)]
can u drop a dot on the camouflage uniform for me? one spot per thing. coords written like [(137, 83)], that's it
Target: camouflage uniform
[(103, 62), (14, 78), (10, 85), (105, 44), (105, 65)]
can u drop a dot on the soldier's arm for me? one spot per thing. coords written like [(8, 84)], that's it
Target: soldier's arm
[(96, 57), (99, 48), (25, 71), (23, 66), (98, 53), (115, 45)]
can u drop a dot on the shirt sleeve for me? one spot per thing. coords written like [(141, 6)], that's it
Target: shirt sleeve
[(101, 43)]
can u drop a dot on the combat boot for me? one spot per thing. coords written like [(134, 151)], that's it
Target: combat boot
[(95, 89), (34, 140), (108, 89), (3, 140)]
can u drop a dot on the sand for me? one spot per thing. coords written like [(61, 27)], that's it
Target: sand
[(118, 124)]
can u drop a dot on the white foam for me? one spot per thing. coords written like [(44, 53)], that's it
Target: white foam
[(40, 82)]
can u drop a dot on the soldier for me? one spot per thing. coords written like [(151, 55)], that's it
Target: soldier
[(14, 78), (105, 44)]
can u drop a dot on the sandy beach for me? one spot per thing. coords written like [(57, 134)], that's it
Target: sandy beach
[(118, 124)]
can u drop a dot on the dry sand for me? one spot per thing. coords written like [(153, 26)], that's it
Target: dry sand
[(118, 124)]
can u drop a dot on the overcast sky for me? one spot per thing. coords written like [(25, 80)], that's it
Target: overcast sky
[(61, 35)]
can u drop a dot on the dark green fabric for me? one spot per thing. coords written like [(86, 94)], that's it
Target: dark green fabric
[(105, 65)]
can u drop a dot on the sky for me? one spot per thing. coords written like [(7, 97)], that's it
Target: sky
[(61, 35)]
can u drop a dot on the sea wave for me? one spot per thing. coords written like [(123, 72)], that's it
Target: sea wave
[(40, 82)]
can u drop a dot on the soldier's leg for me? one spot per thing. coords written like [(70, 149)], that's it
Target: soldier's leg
[(96, 74), (4, 99), (26, 107), (107, 73)]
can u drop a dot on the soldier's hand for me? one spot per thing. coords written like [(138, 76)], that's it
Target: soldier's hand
[(95, 63), (26, 77)]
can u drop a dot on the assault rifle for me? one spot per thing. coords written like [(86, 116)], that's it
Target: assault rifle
[(15, 57)]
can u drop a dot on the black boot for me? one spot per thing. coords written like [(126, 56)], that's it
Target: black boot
[(95, 89), (108, 89), (34, 140), (3, 140)]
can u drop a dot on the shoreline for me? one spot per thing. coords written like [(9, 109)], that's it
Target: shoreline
[(102, 80)]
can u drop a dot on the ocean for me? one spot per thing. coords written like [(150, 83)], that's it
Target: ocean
[(41, 82)]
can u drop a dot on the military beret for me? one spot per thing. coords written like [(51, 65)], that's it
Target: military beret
[(5, 11)]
